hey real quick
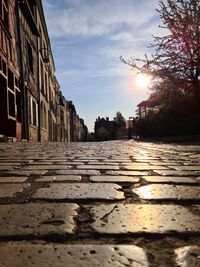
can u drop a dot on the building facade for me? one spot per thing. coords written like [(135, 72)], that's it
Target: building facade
[(32, 106), (10, 89), (28, 35)]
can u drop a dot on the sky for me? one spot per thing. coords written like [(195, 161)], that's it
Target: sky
[(87, 38)]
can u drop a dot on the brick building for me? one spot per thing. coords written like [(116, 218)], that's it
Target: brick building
[(32, 106), (10, 89)]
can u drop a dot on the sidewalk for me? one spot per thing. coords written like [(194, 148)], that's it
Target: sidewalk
[(118, 203)]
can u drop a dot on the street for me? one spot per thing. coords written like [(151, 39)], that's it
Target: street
[(117, 203)]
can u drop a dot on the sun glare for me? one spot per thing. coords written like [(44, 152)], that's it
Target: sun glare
[(143, 81)]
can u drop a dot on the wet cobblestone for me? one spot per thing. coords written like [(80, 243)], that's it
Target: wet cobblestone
[(80, 191), (66, 255), (120, 203), (175, 192)]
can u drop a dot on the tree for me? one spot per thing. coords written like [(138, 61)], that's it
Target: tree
[(120, 120), (103, 134), (177, 54)]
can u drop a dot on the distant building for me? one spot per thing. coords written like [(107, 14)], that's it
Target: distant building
[(144, 107), (78, 130), (105, 129)]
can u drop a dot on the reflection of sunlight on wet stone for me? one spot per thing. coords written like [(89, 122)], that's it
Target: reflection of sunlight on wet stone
[(129, 218), (158, 191), (145, 192)]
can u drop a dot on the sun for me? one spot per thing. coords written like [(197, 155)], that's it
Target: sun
[(143, 81)]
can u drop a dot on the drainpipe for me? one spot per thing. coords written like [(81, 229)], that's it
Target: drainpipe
[(22, 83)]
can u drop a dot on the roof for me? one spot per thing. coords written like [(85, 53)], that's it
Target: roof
[(147, 103)]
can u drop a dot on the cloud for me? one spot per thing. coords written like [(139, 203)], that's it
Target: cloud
[(78, 18), (87, 37)]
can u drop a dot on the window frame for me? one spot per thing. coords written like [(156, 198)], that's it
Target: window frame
[(29, 51), (33, 112)]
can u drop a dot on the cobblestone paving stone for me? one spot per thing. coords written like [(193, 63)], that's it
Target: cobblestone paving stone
[(119, 203), (9, 190), (59, 178), (188, 256), (66, 255), (175, 192), (37, 219), (170, 179), (80, 191), (122, 219), (14, 179), (116, 179)]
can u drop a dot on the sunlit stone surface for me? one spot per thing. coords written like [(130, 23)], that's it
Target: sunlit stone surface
[(37, 219), (26, 254), (187, 168), (77, 172), (142, 167), (9, 190), (80, 191), (158, 191), (127, 173), (177, 173), (58, 178), (117, 179), (188, 256), (98, 167), (130, 218), (170, 179)]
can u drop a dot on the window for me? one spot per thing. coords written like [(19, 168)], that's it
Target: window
[(3, 98), (11, 101), (33, 111), (4, 67), (45, 118), (18, 102), (41, 78), (10, 80), (30, 57), (61, 117), (46, 86), (31, 4), (4, 12), (34, 117), (43, 115)]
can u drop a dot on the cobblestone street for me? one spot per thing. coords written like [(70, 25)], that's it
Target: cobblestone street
[(119, 203)]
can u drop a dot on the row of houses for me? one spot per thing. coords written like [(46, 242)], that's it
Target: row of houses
[(32, 106)]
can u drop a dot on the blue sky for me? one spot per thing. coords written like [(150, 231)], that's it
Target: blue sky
[(87, 39)]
